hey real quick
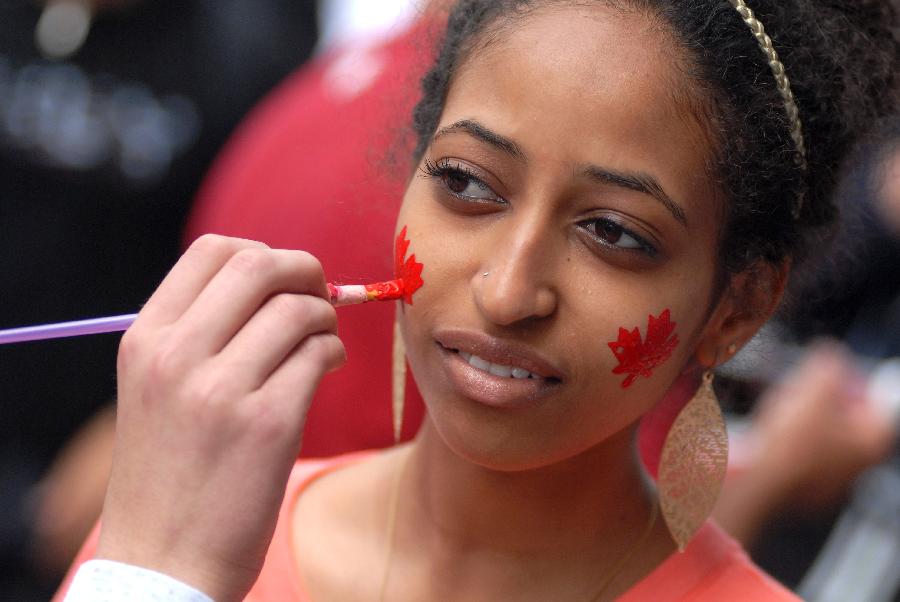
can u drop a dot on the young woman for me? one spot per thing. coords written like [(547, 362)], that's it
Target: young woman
[(581, 166)]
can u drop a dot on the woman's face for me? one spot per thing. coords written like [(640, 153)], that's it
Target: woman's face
[(563, 197)]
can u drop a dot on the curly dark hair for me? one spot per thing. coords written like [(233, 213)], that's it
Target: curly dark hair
[(843, 63)]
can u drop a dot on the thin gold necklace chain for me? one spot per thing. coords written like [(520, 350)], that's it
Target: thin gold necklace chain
[(393, 503), (634, 547), (391, 525)]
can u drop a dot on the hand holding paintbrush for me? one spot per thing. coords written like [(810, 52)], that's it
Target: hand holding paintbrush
[(214, 381), (408, 280)]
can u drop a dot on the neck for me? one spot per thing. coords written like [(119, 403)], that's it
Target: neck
[(592, 502)]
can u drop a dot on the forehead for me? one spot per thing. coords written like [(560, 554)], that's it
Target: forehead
[(587, 84)]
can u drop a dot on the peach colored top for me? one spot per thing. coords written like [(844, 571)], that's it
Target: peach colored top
[(712, 568)]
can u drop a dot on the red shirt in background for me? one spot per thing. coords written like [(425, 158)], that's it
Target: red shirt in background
[(321, 166)]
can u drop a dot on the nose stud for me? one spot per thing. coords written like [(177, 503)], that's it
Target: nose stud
[(485, 275)]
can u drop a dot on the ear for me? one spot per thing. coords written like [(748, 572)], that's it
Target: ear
[(749, 300)]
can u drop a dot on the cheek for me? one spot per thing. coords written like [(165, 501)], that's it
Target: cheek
[(630, 356), (431, 254), (406, 269), (639, 356), (429, 277), (654, 334)]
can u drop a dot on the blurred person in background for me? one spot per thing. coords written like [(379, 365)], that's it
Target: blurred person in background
[(110, 111), (811, 499)]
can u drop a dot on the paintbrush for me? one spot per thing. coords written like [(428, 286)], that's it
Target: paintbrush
[(339, 295), (408, 281)]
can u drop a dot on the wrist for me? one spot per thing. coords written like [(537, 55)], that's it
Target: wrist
[(101, 580), (192, 570)]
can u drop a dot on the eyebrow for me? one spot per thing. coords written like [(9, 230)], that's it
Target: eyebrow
[(638, 182), (477, 130)]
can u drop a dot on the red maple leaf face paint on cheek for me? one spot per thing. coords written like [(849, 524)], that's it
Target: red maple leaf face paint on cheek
[(406, 269), (640, 358)]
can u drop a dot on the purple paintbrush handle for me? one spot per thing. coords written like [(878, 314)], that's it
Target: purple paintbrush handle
[(67, 329), (340, 294)]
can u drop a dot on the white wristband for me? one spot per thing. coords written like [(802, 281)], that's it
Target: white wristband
[(110, 581)]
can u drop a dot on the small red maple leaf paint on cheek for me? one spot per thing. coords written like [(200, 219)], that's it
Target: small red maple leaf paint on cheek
[(639, 358), (406, 269)]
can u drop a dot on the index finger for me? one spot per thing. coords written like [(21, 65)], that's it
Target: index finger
[(186, 280)]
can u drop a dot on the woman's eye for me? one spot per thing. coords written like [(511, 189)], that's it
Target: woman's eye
[(615, 235), (460, 181)]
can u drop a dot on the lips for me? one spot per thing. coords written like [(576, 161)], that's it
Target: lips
[(498, 352), (496, 372), (496, 369)]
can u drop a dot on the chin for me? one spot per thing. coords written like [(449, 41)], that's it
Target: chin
[(493, 440)]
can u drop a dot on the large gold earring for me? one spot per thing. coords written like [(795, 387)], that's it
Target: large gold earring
[(398, 380), (692, 465)]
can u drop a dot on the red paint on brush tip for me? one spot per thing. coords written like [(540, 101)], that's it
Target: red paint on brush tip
[(640, 358), (406, 269), (408, 279), (386, 291)]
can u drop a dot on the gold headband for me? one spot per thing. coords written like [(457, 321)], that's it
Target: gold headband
[(782, 82)]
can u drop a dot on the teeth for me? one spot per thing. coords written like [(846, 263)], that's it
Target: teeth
[(520, 373), (496, 369), (479, 363)]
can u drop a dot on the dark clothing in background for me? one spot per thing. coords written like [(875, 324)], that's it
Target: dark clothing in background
[(863, 308), (100, 155), (855, 296)]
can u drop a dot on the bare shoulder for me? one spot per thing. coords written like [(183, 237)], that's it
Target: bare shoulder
[(338, 528)]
